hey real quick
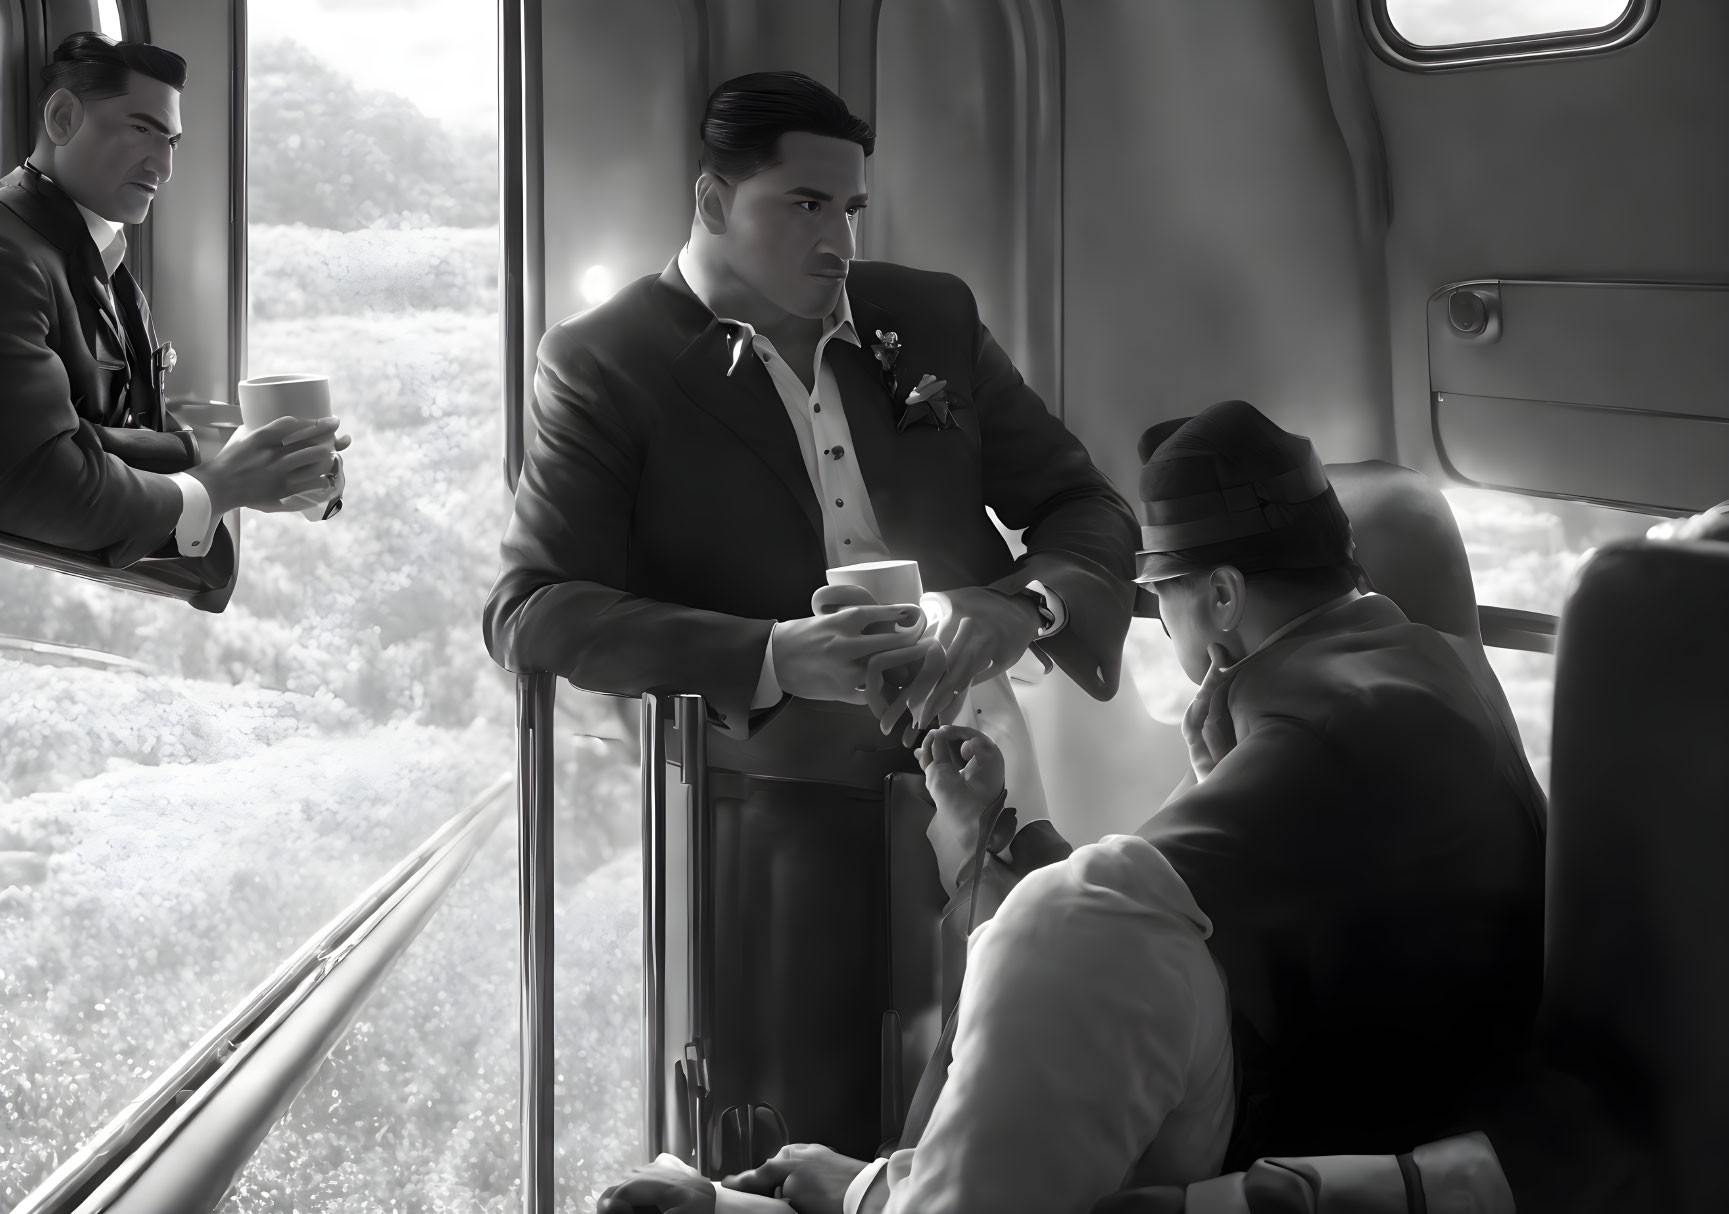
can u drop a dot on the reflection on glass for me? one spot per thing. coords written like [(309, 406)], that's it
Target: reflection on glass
[(1449, 22), (167, 837)]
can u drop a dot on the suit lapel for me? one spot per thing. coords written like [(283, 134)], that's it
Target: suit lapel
[(870, 412), (745, 402), (45, 207)]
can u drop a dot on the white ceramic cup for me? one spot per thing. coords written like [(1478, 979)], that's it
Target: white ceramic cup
[(889, 583), (269, 397)]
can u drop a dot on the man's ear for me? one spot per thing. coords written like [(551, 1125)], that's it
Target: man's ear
[(62, 115), (713, 201), (1227, 597)]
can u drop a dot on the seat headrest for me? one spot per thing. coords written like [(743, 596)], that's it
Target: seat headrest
[(1409, 543), (1636, 990)]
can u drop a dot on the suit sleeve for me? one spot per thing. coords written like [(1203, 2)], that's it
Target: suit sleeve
[(57, 484), (1268, 832), (558, 604), (1079, 532)]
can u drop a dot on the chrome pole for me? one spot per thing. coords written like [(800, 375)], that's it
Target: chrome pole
[(534, 699), (653, 925)]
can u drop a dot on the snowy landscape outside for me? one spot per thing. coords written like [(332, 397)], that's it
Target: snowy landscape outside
[(166, 839)]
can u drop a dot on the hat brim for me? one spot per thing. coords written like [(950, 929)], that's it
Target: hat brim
[(1160, 566)]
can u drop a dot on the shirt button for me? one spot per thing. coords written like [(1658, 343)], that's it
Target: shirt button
[(839, 451), (846, 541), (816, 408), (839, 502)]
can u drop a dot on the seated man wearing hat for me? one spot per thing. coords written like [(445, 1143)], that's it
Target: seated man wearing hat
[(1364, 836)]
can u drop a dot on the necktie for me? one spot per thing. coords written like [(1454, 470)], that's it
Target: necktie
[(140, 396)]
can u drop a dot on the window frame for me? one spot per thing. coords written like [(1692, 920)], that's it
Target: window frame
[(1394, 48)]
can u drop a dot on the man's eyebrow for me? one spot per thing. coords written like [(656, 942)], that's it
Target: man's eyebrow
[(155, 122), (805, 191)]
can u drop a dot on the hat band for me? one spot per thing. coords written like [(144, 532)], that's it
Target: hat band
[(1175, 537), (1300, 484)]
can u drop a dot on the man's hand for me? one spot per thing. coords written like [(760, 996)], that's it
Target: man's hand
[(812, 1179), (983, 633), (842, 651), (964, 773), (659, 1188), (265, 467), (1207, 727)]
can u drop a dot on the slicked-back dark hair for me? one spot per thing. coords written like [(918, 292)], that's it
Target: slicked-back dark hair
[(746, 116), (93, 66)]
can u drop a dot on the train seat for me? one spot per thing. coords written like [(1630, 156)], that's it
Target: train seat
[(1409, 544), (1636, 989)]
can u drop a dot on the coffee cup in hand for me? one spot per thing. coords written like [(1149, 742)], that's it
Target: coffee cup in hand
[(269, 397), (887, 582)]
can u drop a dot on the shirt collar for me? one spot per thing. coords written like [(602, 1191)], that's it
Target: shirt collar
[(108, 237), (838, 323)]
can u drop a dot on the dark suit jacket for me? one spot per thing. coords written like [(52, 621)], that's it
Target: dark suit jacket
[(84, 441), (664, 519), (1371, 856)]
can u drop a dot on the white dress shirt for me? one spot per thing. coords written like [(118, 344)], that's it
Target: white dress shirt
[(851, 534), (196, 525)]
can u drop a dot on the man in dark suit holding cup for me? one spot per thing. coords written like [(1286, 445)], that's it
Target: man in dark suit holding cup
[(91, 459), (708, 446)]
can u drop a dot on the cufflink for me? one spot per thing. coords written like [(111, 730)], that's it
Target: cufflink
[(1047, 617)]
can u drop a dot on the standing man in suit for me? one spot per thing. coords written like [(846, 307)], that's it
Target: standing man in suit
[(90, 458), (706, 444)]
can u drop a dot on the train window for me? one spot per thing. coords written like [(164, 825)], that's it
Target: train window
[(1524, 552), (1456, 22), (1430, 34), (186, 798), (108, 19)]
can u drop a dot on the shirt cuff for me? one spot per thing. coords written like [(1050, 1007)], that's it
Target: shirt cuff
[(767, 693), (855, 1192), (196, 525), (1053, 605)]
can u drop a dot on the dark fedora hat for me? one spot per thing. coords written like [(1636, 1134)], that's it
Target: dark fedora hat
[(1228, 487)]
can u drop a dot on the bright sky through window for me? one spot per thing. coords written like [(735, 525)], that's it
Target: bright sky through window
[(440, 54), (108, 18), (1448, 22)]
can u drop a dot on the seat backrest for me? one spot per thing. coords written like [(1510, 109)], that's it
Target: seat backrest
[(1409, 543), (1636, 988)]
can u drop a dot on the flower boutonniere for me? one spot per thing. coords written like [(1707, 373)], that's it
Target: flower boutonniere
[(887, 350), (928, 404)]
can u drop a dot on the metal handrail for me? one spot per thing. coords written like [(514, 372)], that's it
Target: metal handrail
[(192, 1162), (73, 653), (80, 1175)]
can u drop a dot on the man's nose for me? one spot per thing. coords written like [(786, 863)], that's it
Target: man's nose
[(838, 240), (160, 161)]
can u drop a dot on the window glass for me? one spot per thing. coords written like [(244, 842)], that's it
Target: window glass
[(173, 825), (108, 19), (1525, 550), (1451, 22)]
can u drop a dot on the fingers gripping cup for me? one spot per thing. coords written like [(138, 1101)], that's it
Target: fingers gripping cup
[(269, 397), (890, 583)]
